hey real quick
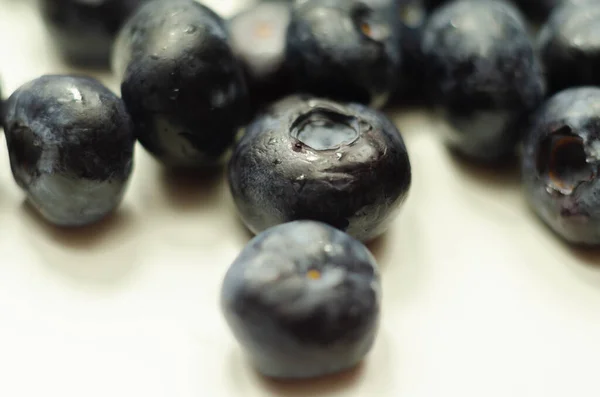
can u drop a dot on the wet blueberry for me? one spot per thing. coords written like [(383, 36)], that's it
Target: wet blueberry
[(483, 75), (304, 158), (70, 142), (258, 38), (181, 82), (561, 163), (303, 300), (84, 30), (344, 50), (569, 46)]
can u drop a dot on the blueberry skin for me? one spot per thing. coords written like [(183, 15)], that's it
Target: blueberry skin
[(84, 30), (70, 142), (303, 300), (181, 82), (560, 164), (483, 75), (569, 46), (413, 15), (343, 50), (306, 158), (258, 38)]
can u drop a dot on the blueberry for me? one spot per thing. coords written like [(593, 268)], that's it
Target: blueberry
[(84, 30), (539, 10), (258, 38), (303, 300), (304, 158), (560, 164), (344, 50), (181, 82), (569, 45), (483, 75), (70, 142), (413, 17)]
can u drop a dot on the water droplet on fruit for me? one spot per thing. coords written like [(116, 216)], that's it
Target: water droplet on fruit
[(339, 155), (154, 56), (276, 161), (190, 29), (174, 94), (272, 141)]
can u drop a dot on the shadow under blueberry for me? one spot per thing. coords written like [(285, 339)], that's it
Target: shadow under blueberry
[(379, 247), (503, 175), (189, 190), (322, 386), (81, 237), (103, 254)]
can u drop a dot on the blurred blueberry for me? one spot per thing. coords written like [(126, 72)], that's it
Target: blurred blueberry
[(258, 38), (482, 74), (344, 49), (84, 30), (70, 142), (569, 47)]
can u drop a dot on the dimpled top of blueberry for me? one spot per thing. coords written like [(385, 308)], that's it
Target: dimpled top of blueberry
[(323, 130), (480, 56), (314, 284), (354, 178)]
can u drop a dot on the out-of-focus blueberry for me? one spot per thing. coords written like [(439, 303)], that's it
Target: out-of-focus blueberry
[(569, 46), (84, 30), (483, 75), (181, 82), (303, 300), (344, 50), (306, 158), (561, 162), (70, 142), (413, 17), (258, 38)]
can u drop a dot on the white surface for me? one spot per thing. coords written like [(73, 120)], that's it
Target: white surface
[(479, 298)]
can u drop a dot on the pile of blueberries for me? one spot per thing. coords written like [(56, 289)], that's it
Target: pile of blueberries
[(287, 91)]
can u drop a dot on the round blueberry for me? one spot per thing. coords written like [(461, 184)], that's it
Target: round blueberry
[(181, 82), (258, 38), (344, 49), (70, 142), (569, 47), (303, 300), (561, 161), (304, 158), (483, 75), (84, 30)]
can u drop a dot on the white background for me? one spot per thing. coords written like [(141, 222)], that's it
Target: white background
[(479, 298)]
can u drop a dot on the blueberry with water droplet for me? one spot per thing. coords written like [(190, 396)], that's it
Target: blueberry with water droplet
[(84, 30), (345, 165), (483, 75), (70, 142), (303, 300), (181, 82), (344, 49), (561, 163)]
